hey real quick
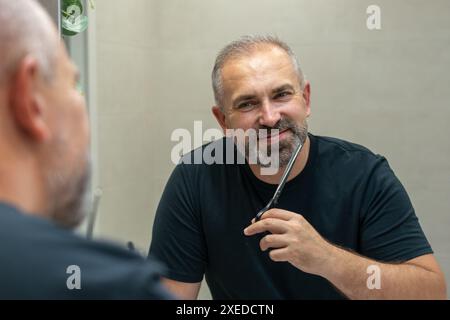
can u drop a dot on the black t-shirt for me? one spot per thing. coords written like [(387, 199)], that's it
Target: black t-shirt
[(348, 194), (36, 255)]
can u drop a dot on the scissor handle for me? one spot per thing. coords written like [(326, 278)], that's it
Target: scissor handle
[(266, 208)]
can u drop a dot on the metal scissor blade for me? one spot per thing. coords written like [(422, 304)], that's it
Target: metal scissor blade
[(283, 181)]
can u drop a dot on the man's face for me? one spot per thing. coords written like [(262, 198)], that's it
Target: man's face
[(65, 155), (263, 91)]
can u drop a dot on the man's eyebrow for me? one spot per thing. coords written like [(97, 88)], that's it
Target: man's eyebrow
[(245, 97), (283, 88)]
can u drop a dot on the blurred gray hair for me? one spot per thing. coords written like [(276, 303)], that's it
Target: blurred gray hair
[(244, 47), (26, 29)]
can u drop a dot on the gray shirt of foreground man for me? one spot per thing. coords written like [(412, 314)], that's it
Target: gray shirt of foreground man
[(343, 215), (44, 138)]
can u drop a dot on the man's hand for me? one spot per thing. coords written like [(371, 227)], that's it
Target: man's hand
[(292, 239)]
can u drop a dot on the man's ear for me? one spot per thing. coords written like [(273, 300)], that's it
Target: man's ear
[(220, 117), (26, 102), (307, 98)]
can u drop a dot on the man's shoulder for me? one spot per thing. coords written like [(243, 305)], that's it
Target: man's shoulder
[(13, 220), (345, 157), (19, 231), (41, 253), (337, 144), (339, 148)]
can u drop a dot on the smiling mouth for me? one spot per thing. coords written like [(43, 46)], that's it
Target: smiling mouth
[(272, 136)]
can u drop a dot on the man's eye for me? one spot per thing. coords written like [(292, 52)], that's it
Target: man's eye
[(247, 106), (282, 95)]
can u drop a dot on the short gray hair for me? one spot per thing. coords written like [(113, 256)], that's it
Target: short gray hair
[(242, 47), (26, 29)]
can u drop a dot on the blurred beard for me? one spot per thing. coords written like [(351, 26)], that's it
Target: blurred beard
[(285, 147), (69, 199)]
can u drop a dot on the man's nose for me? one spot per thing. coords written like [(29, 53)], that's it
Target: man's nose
[(269, 115)]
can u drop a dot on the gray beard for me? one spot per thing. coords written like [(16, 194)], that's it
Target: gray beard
[(285, 148), (69, 198)]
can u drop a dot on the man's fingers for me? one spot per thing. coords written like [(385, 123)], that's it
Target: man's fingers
[(273, 241), (271, 225), (279, 255), (279, 214)]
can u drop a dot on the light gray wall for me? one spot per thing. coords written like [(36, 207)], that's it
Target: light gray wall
[(387, 90)]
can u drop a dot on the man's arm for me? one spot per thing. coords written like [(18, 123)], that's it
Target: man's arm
[(177, 238), (182, 290), (294, 240), (419, 278)]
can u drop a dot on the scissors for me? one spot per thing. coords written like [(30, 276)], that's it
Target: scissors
[(283, 181)]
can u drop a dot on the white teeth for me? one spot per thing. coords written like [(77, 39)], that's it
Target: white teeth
[(267, 136)]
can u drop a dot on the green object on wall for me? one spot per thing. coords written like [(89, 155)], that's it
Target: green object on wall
[(72, 19)]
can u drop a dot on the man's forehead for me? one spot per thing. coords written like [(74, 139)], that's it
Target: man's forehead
[(269, 66), (256, 62)]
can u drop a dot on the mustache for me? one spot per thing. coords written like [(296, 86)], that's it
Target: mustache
[(280, 126)]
